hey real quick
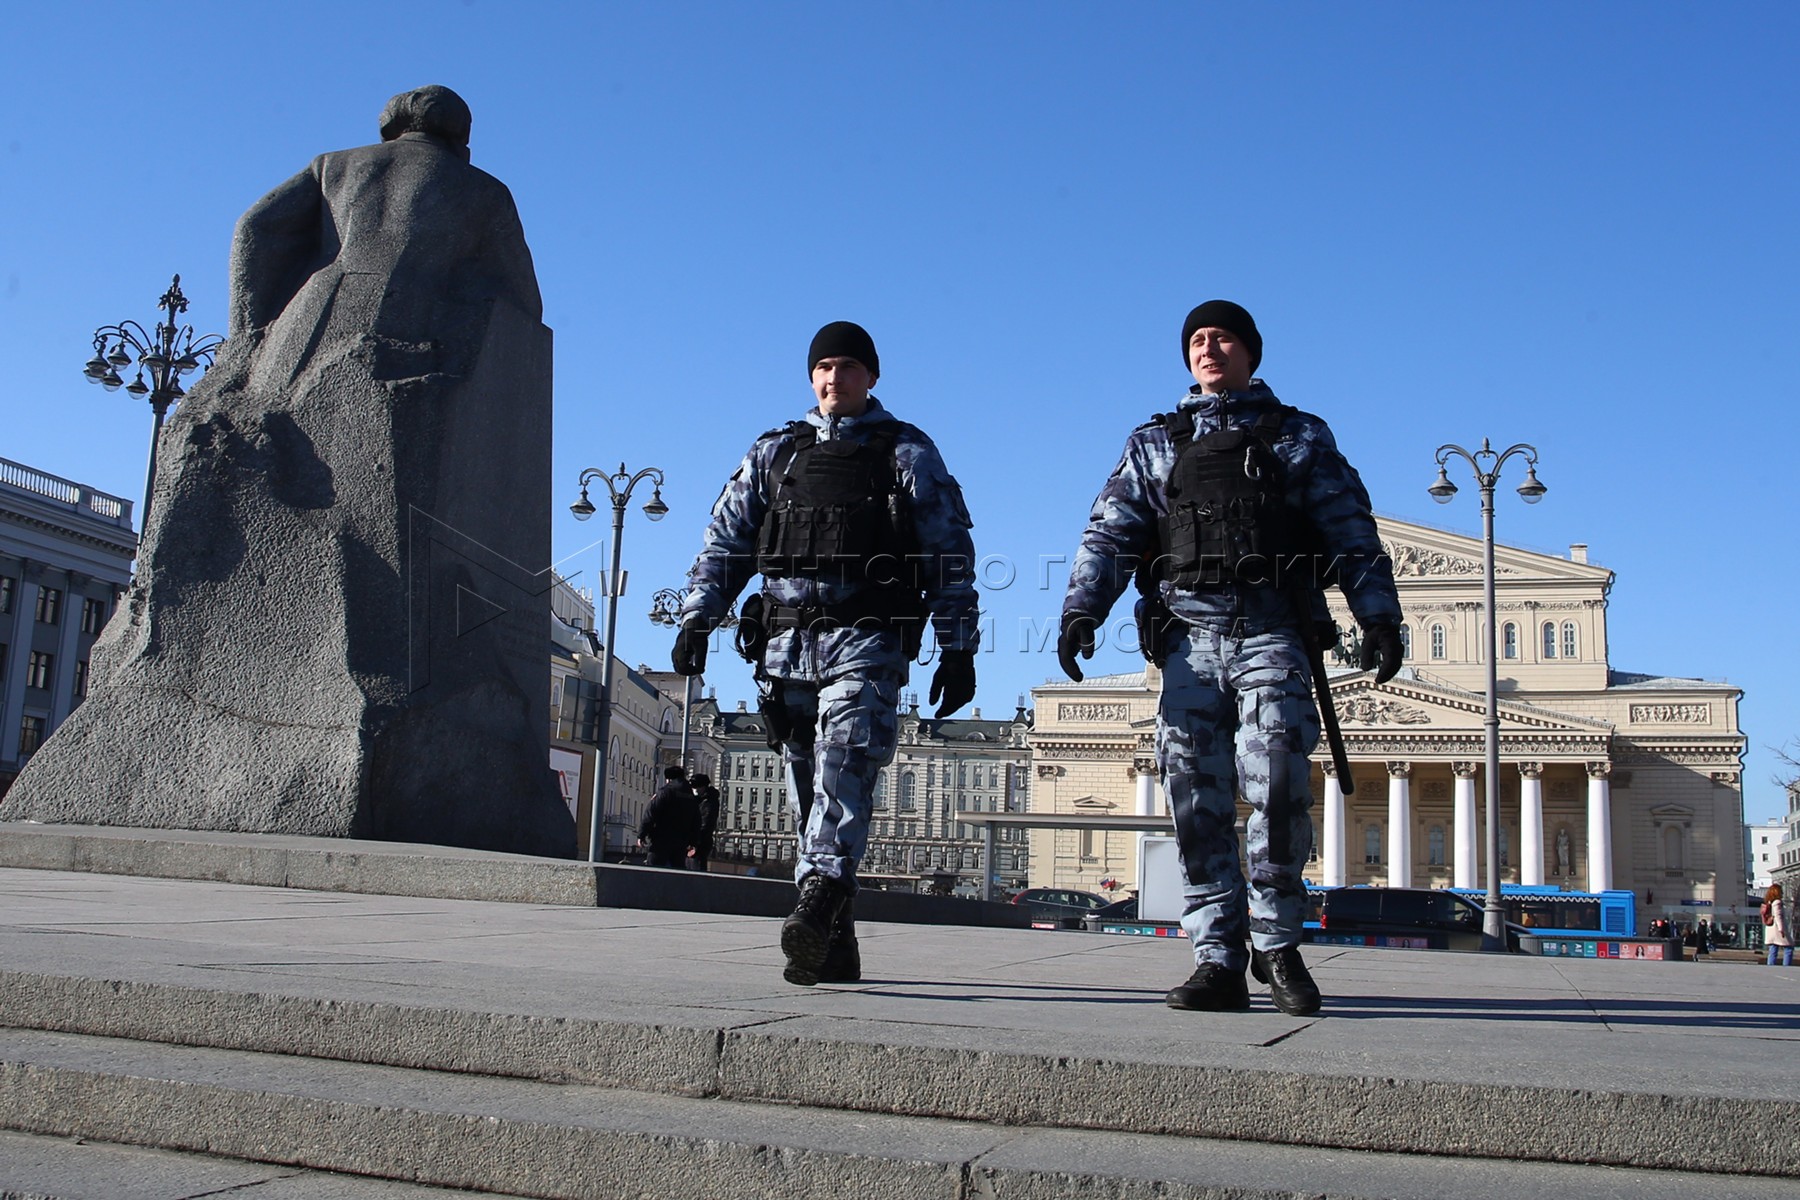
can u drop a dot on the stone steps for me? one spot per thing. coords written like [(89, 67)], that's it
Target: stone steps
[(528, 1137), (923, 1097)]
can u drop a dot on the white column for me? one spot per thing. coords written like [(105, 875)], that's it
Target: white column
[(1468, 840), (1599, 820), (1531, 824), (1333, 854), (1399, 824), (1146, 790)]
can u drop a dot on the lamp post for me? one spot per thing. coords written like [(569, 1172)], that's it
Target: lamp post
[(665, 609), (620, 485), (168, 354), (1486, 465)]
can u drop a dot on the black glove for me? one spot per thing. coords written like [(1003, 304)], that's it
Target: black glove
[(1381, 650), (1077, 635), (690, 649), (954, 681)]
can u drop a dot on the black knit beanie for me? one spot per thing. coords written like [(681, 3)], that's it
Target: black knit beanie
[(843, 339), (1223, 314)]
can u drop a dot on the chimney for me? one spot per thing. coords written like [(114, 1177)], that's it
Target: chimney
[(974, 714), (1578, 552), (743, 706)]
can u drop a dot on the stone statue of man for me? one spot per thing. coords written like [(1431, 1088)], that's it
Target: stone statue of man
[(1562, 851), (338, 624)]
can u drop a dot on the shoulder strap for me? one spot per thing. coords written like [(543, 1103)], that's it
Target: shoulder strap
[(1180, 425), (800, 435)]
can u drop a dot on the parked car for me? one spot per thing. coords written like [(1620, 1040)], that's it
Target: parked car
[(1419, 918), (1059, 908)]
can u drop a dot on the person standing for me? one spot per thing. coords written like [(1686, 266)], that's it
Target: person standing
[(1778, 926), (671, 823), (861, 536), (706, 797), (1232, 512)]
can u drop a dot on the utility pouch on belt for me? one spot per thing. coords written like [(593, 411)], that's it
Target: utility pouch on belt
[(752, 635), (771, 702)]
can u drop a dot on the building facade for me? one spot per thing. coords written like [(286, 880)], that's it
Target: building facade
[(1608, 778), (65, 561), (940, 768)]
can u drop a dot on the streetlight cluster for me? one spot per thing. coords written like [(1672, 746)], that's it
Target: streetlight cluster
[(172, 351), (1486, 465), (619, 485)]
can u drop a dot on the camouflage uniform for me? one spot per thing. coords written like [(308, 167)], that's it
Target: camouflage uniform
[(1237, 713), (841, 687)]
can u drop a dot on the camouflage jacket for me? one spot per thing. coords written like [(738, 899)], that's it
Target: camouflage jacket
[(1321, 485), (945, 566)]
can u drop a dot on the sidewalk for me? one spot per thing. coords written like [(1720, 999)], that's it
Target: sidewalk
[(1674, 1065)]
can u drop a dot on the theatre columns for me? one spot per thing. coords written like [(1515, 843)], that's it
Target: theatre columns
[(1399, 824), (1599, 821), (1333, 864), (1468, 858), (1531, 824)]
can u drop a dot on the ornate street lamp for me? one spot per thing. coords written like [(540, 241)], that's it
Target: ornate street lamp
[(620, 485), (665, 609), (1486, 465), (168, 354)]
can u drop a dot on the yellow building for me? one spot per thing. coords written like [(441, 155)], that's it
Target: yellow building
[(1608, 779)]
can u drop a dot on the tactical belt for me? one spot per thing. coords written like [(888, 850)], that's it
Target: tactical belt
[(882, 609)]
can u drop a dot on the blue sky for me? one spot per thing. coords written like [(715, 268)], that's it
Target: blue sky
[(1570, 225)]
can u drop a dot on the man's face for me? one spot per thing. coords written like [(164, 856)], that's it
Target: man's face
[(1219, 360), (842, 386)]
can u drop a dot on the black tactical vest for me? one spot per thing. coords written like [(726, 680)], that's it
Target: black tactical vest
[(1226, 520), (834, 507)]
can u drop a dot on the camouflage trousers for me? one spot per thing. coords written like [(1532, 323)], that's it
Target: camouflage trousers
[(845, 731), (1237, 717)]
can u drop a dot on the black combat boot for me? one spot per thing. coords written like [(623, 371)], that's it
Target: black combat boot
[(1211, 988), (843, 958), (806, 935), (1291, 986)]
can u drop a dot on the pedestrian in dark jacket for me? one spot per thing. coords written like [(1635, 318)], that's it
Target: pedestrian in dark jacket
[(706, 797), (671, 824)]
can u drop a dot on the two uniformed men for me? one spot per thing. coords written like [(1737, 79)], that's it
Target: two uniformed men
[(1230, 513), (862, 539)]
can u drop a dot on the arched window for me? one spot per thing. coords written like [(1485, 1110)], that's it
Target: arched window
[(1549, 639), (1372, 845), (1569, 646), (1509, 636), (1405, 641), (1437, 641), (906, 791), (1435, 839)]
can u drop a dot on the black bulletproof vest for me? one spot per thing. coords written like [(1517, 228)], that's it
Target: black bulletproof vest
[(1226, 520), (834, 506)]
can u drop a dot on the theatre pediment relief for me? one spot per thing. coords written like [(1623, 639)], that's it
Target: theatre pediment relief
[(1422, 707), (1419, 551)]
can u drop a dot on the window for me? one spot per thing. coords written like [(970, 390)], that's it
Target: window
[(1549, 639), (93, 614), (1509, 636), (1435, 839), (49, 605), (81, 672), (31, 735), (1405, 641), (1672, 856), (6, 593), (39, 669), (1437, 641), (1087, 843), (1568, 640), (1372, 845), (906, 791)]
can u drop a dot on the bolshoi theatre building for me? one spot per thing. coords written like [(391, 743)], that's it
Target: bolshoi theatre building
[(1608, 778)]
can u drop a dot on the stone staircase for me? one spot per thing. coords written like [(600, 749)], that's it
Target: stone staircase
[(518, 1105)]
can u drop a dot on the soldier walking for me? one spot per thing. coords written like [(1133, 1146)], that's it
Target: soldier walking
[(1233, 512), (861, 537)]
